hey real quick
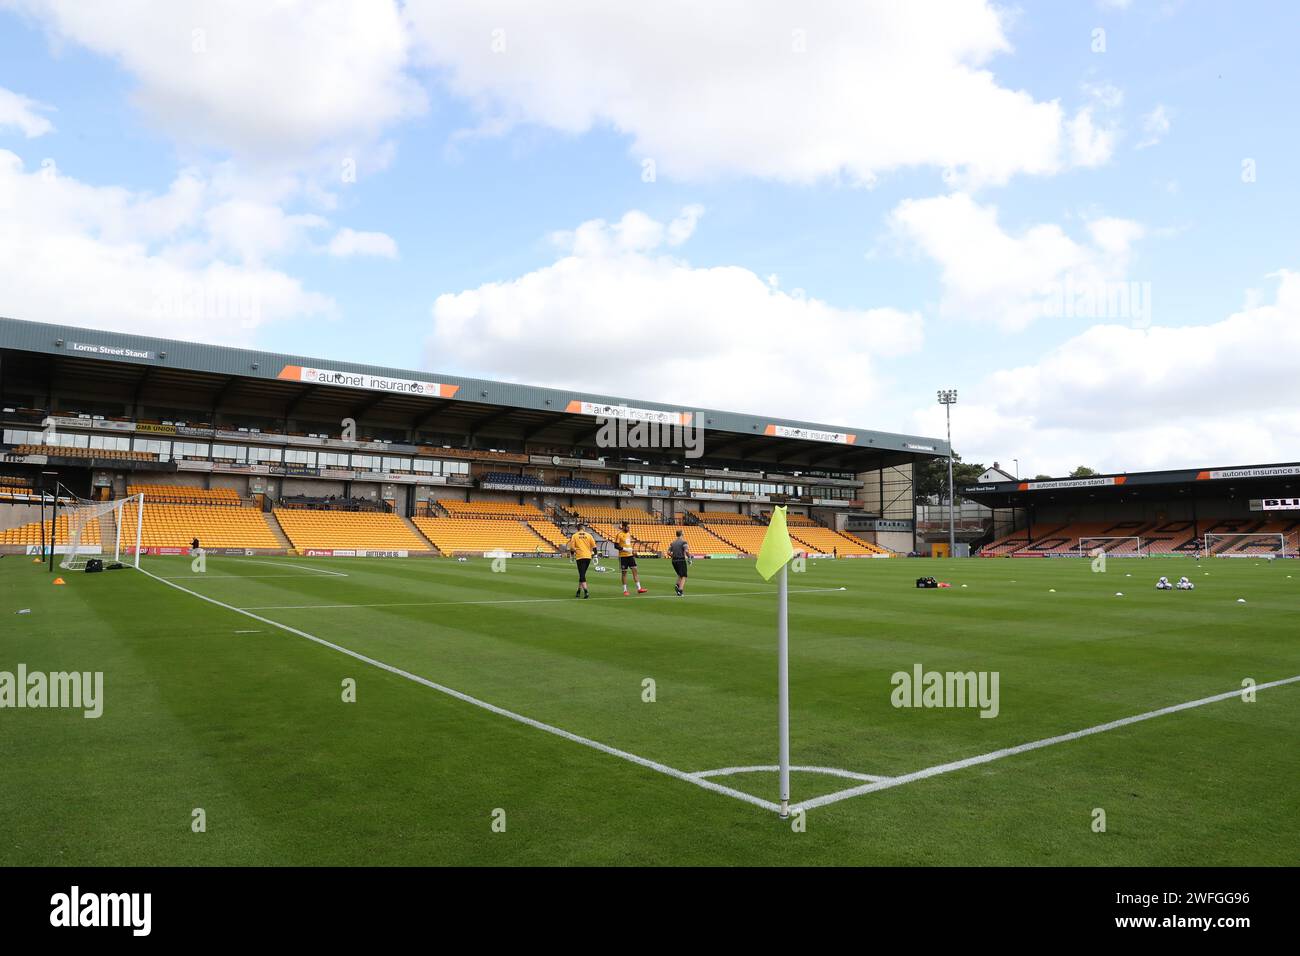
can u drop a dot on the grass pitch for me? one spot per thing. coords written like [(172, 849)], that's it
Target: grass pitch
[(207, 708)]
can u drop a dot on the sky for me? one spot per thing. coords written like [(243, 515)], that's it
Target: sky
[(1081, 216)]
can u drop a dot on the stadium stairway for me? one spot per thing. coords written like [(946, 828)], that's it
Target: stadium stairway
[(549, 532), (278, 531), (415, 529), (720, 534)]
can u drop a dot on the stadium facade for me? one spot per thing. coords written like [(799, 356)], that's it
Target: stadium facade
[(103, 413), (1246, 510)]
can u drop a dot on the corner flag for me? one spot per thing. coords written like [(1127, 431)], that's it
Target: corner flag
[(773, 556), (776, 549)]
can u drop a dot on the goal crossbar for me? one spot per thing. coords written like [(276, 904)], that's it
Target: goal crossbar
[(1112, 547), (1235, 544)]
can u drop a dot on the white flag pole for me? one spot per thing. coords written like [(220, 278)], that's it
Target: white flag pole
[(783, 689)]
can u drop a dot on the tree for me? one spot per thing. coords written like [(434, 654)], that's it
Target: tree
[(930, 477), (1042, 477), (1083, 471)]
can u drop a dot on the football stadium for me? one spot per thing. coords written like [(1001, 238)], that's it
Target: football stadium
[(327, 613), (836, 453)]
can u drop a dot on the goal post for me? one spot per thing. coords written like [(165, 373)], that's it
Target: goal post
[(103, 529), (1113, 547), (1239, 545)]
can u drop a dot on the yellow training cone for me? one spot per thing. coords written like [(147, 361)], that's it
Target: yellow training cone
[(60, 581)]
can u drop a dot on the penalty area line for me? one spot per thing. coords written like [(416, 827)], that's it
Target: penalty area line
[(563, 600), (288, 564), (1024, 748), (773, 768), (492, 708)]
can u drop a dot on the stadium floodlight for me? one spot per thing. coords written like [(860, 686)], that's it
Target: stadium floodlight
[(1244, 545), (948, 398)]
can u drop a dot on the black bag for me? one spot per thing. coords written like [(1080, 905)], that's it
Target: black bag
[(926, 582), (94, 564)]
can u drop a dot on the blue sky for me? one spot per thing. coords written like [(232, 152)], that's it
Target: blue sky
[(849, 208)]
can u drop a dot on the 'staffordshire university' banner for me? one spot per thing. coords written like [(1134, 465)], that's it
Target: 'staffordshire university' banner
[(628, 412), (555, 489), (1072, 483), (1278, 471), (364, 380), (810, 434)]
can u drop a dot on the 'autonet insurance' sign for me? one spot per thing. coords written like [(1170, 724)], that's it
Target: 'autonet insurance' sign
[(364, 380), (1072, 483), (1275, 471)]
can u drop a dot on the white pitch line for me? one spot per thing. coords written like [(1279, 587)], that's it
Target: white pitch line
[(1023, 748), (773, 768), (563, 600), (232, 577), (282, 564), (493, 708)]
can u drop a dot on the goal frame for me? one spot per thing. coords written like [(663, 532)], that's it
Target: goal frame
[(74, 559), (1278, 536), (1087, 551)]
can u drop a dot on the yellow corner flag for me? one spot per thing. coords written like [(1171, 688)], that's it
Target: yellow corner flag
[(776, 549)]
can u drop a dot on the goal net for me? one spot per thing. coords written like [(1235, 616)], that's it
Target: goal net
[(1112, 547), (101, 529), (1262, 544)]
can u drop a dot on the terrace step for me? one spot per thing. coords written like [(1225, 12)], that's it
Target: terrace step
[(420, 534), (278, 531)]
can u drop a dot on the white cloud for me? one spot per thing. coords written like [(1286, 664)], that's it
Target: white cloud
[(1155, 125), (616, 314), (991, 275), (23, 114), (109, 258), (1091, 145), (349, 242), (253, 231), (1124, 399), (268, 80), (1105, 95), (760, 88)]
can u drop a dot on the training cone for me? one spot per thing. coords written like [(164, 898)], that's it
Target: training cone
[(60, 581)]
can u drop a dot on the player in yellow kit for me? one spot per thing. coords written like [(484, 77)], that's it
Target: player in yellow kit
[(627, 558), (582, 546)]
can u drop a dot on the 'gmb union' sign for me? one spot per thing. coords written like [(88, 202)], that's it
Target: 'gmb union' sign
[(365, 380)]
